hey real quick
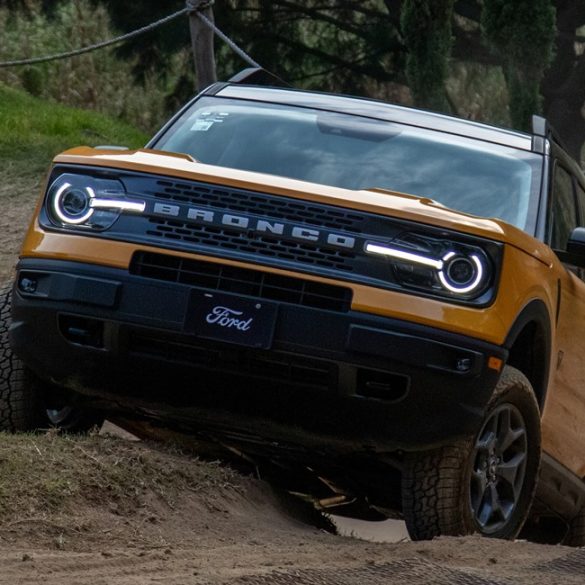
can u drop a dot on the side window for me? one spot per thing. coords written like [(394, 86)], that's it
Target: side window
[(564, 212)]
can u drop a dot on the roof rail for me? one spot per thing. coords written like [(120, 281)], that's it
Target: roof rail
[(258, 76)]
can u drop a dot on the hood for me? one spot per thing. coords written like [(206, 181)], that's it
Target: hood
[(377, 201)]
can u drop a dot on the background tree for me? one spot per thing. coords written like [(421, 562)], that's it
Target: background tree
[(563, 86), (522, 33), (426, 30), (493, 60)]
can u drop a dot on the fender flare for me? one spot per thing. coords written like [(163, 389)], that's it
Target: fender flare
[(535, 312)]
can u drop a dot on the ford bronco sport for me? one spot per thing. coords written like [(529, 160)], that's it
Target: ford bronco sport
[(382, 301)]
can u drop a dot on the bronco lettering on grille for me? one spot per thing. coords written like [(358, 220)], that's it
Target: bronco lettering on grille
[(260, 226)]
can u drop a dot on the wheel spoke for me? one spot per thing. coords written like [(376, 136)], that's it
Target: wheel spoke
[(480, 480), (494, 501), (487, 441), (507, 435), (490, 510), (485, 512), (508, 471)]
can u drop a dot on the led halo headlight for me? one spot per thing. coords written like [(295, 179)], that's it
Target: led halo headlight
[(73, 205), (459, 271), (461, 274), (87, 202)]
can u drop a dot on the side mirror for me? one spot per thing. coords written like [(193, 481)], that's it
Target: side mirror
[(576, 248), (576, 244)]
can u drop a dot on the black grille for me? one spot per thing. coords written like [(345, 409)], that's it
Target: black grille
[(251, 363), (241, 281), (258, 204), (321, 238), (267, 246)]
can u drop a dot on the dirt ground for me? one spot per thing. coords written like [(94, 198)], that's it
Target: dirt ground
[(18, 201), (106, 510)]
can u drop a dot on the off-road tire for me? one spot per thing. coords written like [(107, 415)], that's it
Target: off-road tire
[(23, 396), (20, 403), (576, 533), (436, 485)]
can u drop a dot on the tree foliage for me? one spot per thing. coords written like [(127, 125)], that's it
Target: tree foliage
[(523, 33), (426, 30), (392, 49)]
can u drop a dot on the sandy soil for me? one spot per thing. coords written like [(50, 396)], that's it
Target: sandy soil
[(237, 532), (18, 199), (212, 526)]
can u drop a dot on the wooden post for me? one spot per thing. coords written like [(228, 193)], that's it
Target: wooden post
[(202, 38)]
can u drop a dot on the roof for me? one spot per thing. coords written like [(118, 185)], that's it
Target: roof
[(378, 110)]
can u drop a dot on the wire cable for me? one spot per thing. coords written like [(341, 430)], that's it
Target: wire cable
[(191, 6), (194, 6), (96, 46)]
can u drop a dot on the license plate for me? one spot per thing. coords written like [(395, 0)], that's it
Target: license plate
[(231, 318)]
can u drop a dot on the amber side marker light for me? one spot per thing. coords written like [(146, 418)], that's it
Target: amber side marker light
[(495, 363)]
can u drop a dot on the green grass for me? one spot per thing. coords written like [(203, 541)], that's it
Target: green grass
[(33, 131)]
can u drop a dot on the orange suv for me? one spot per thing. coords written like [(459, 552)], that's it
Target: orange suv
[(378, 305)]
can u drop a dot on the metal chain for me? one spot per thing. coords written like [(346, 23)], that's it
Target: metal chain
[(101, 45), (191, 6)]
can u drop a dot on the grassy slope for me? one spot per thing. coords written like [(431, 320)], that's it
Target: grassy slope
[(32, 131)]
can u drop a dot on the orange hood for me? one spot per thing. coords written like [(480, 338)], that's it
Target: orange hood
[(377, 201)]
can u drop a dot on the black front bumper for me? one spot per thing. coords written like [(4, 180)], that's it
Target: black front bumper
[(345, 380)]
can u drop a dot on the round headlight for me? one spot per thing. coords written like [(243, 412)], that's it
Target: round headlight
[(461, 274), (72, 205)]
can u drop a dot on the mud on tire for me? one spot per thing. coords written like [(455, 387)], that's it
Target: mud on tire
[(484, 484)]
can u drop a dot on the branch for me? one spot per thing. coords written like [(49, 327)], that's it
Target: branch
[(330, 70), (371, 70), (394, 8), (468, 46), (468, 9), (316, 14)]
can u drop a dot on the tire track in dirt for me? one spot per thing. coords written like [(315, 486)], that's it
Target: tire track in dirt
[(227, 566), (569, 570)]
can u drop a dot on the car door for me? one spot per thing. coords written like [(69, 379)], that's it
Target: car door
[(563, 424)]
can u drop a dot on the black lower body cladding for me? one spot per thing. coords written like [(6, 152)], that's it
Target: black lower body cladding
[(308, 375)]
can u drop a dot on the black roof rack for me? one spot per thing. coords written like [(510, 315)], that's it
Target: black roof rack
[(541, 127), (258, 76)]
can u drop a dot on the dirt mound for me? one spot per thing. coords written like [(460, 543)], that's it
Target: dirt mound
[(76, 493), (104, 510)]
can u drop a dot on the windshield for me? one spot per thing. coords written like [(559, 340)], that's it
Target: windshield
[(355, 152)]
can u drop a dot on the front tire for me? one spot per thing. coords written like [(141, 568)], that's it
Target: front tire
[(485, 484), (20, 405), (26, 402)]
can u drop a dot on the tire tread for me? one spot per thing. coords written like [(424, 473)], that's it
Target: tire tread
[(19, 397), (433, 493)]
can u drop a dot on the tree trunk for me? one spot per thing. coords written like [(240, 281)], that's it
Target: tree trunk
[(563, 87), (202, 38)]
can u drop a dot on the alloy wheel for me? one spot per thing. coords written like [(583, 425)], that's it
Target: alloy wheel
[(499, 467)]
